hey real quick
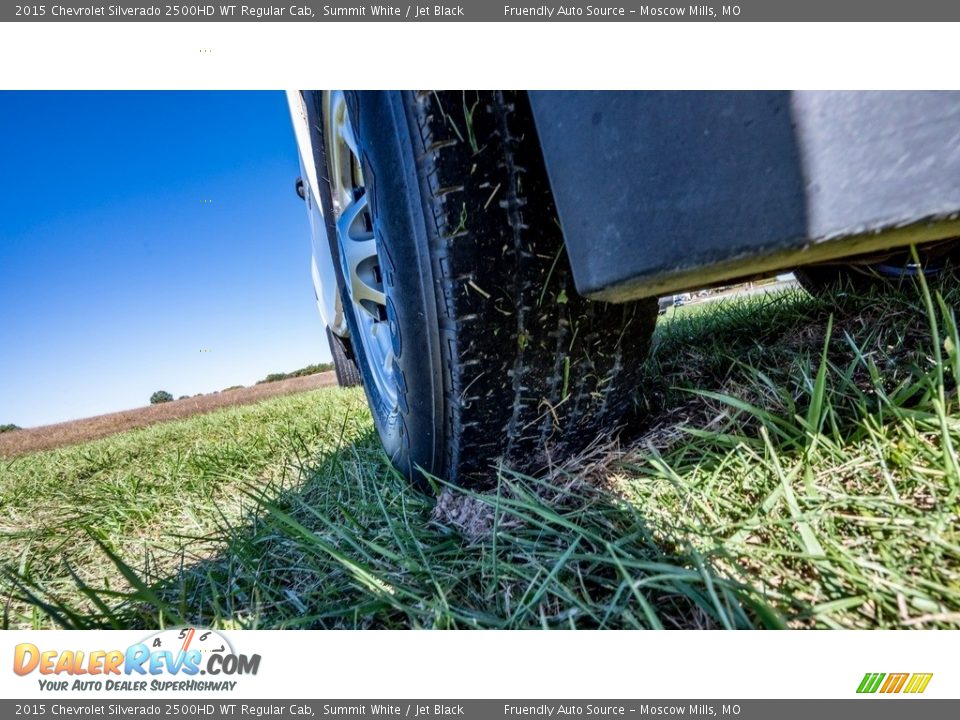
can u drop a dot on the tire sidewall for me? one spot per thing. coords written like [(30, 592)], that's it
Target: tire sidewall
[(409, 431)]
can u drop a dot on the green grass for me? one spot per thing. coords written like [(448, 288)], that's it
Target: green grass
[(795, 466), (816, 453)]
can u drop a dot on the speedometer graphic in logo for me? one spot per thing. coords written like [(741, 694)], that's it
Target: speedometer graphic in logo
[(190, 651), (184, 639)]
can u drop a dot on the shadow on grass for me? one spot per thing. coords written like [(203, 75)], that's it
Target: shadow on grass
[(353, 546)]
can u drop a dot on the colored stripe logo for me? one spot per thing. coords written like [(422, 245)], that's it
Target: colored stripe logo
[(913, 683)]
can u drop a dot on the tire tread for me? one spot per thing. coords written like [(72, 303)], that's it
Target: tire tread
[(517, 333), (348, 375)]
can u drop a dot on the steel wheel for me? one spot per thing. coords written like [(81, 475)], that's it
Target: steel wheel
[(357, 247), (493, 359)]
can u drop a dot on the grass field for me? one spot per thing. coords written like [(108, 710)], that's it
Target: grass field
[(795, 466)]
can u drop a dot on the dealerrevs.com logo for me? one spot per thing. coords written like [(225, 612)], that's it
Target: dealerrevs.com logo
[(170, 660), (890, 683)]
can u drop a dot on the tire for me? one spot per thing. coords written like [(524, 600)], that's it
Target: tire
[(495, 357), (346, 369), (880, 274)]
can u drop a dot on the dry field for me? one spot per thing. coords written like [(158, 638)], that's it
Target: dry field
[(48, 437)]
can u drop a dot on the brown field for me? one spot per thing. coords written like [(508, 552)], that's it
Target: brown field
[(47, 437)]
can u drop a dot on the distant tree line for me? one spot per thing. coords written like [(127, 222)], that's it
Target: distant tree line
[(162, 396), (302, 372)]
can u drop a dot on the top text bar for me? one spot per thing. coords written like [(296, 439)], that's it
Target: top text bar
[(487, 11)]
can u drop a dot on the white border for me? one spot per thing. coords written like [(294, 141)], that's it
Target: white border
[(160, 55)]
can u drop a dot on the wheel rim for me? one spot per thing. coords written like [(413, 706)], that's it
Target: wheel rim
[(899, 265), (357, 247), (910, 270)]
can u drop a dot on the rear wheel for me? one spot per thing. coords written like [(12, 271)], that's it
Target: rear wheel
[(473, 345), (346, 369), (879, 272)]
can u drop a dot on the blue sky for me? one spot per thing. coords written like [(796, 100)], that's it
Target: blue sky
[(115, 273)]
